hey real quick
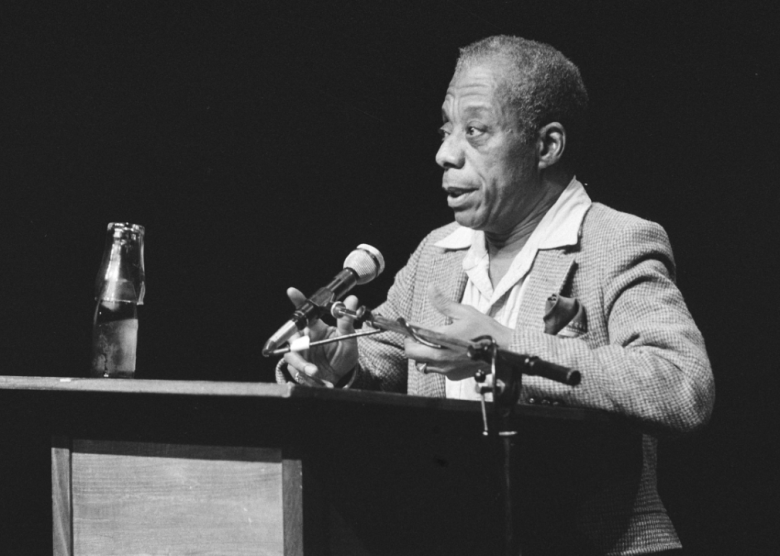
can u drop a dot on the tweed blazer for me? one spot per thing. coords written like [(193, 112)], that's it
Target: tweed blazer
[(642, 355)]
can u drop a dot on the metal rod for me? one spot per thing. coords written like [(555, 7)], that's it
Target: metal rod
[(286, 349), (511, 545)]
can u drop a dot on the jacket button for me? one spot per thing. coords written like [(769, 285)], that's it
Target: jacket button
[(531, 400)]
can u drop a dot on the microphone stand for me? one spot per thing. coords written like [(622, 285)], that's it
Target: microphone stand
[(505, 385)]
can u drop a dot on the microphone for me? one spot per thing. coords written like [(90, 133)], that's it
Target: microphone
[(360, 267)]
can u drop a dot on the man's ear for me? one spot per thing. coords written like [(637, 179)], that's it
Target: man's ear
[(550, 144)]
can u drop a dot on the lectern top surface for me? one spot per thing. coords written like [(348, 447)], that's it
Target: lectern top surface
[(216, 389), (182, 387)]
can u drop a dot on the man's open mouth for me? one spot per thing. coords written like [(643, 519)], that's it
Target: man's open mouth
[(456, 192)]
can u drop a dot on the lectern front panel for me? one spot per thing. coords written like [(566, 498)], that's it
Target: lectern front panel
[(149, 498)]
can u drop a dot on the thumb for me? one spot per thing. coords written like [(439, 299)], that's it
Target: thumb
[(298, 299), (346, 325), (296, 296), (446, 306)]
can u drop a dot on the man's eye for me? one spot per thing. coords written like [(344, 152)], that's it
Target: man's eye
[(472, 131), (443, 133)]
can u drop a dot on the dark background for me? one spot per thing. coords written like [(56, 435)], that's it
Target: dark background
[(260, 144)]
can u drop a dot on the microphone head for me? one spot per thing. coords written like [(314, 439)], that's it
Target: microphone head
[(366, 262)]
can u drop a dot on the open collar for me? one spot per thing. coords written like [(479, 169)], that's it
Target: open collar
[(560, 227)]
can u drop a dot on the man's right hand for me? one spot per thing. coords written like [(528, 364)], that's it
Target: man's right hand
[(330, 362)]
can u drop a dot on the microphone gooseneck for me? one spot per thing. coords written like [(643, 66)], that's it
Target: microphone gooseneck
[(360, 267)]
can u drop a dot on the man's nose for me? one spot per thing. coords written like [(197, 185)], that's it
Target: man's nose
[(450, 154)]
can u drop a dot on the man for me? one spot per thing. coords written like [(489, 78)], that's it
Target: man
[(526, 229)]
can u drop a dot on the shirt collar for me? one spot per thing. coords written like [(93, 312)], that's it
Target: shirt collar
[(559, 227)]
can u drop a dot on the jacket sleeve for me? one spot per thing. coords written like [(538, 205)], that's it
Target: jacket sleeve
[(382, 364), (654, 367)]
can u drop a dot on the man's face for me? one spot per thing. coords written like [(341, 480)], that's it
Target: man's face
[(490, 173)]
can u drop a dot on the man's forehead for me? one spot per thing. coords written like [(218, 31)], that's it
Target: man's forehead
[(474, 88), (475, 78)]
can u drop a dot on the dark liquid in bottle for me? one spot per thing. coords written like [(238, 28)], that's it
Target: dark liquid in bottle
[(114, 339)]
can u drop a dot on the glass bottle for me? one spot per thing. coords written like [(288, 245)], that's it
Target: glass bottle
[(119, 289)]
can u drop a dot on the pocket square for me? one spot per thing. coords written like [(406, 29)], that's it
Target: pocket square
[(564, 316)]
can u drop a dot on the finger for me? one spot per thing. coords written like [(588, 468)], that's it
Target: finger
[(427, 369), (317, 327), (301, 378), (296, 296), (446, 306), (351, 302), (299, 364), (421, 353), (305, 372), (306, 380), (346, 324)]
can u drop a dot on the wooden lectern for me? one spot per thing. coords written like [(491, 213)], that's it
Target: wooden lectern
[(108, 467)]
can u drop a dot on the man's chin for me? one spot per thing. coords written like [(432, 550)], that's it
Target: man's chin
[(468, 219)]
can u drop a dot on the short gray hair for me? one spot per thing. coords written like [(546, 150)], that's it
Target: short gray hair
[(540, 84)]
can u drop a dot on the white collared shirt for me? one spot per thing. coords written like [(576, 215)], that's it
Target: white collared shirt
[(560, 227)]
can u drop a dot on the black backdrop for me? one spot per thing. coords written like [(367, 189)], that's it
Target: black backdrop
[(259, 144)]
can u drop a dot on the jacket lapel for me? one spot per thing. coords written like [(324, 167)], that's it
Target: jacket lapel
[(552, 271), (446, 272), (449, 275)]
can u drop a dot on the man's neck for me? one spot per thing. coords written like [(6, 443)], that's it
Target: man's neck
[(503, 247), (512, 240)]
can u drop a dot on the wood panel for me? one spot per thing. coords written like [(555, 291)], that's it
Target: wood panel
[(146, 498), (62, 511), (292, 473)]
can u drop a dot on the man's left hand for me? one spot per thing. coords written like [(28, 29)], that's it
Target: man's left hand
[(467, 324)]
